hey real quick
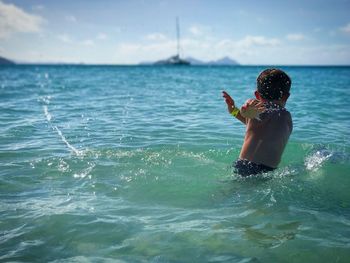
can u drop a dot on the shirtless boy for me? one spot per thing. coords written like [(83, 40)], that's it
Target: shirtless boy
[(268, 123)]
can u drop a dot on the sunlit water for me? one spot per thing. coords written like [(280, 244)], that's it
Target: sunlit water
[(132, 164)]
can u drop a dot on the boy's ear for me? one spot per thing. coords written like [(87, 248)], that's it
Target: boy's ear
[(285, 96), (257, 95)]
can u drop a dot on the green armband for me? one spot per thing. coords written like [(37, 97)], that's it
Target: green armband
[(235, 112)]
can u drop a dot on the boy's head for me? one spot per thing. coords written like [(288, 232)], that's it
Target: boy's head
[(273, 84)]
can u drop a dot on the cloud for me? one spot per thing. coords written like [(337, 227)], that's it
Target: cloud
[(71, 18), (69, 40), (295, 37), (15, 20), (346, 29), (195, 31), (88, 43), (250, 41), (156, 37), (207, 50), (101, 36), (65, 38), (199, 31), (246, 44), (134, 52)]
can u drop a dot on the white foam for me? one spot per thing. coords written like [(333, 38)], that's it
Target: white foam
[(85, 172), (315, 161)]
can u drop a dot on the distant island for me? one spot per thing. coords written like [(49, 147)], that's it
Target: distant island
[(5, 61), (225, 61), (174, 60)]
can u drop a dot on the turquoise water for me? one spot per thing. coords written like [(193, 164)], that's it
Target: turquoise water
[(132, 164)]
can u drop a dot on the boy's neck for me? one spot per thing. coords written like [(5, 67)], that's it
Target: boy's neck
[(281, 103)]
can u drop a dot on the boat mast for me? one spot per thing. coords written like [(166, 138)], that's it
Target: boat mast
[(178, 36)]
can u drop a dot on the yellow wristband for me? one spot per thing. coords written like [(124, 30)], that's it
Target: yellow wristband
[(235, 112)]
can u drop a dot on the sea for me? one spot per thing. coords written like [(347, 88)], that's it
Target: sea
[(134, 164)]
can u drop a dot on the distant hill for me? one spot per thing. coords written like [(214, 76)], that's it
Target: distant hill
[(195, 61), (225, 61), (4, 61)]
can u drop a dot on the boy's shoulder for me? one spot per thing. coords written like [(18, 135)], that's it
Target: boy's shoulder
[(272, 118), (275, 111), (281, 117)]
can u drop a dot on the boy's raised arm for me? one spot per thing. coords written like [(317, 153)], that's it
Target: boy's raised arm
[(231, 107)]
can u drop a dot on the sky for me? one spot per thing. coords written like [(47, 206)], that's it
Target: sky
[(299, 32)]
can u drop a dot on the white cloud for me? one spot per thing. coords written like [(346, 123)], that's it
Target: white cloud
[(88, 43), (207, 50), (250, 41), (134, 52), (15, 20), (168, 46), (195, 31), (65, 38), (346, 29), (199, 30), (295, 37), (101, 36), (156, 37), (69, 40), (71, 18)]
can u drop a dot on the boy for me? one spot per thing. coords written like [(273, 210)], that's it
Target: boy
[(268, 123)]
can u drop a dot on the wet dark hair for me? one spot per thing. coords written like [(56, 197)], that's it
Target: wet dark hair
[(273, 84)]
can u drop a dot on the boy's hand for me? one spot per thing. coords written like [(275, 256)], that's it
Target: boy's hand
[(252, 108), (229, 101)]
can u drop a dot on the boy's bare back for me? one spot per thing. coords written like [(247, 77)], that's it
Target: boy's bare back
[(266, 138), (268, 123)]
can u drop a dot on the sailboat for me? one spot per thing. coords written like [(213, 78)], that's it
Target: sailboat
[(175, 60)]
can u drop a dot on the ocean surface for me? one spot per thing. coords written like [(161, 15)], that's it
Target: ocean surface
[(133, 164)]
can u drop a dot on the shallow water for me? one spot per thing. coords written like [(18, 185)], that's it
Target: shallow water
[(132, 164)]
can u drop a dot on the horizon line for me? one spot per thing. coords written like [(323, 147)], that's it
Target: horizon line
[(152, 65)]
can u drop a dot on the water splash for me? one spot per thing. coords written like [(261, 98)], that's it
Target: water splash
[(76, 151), (316, 160), (47, 114), (85, 172), (59, 132)]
